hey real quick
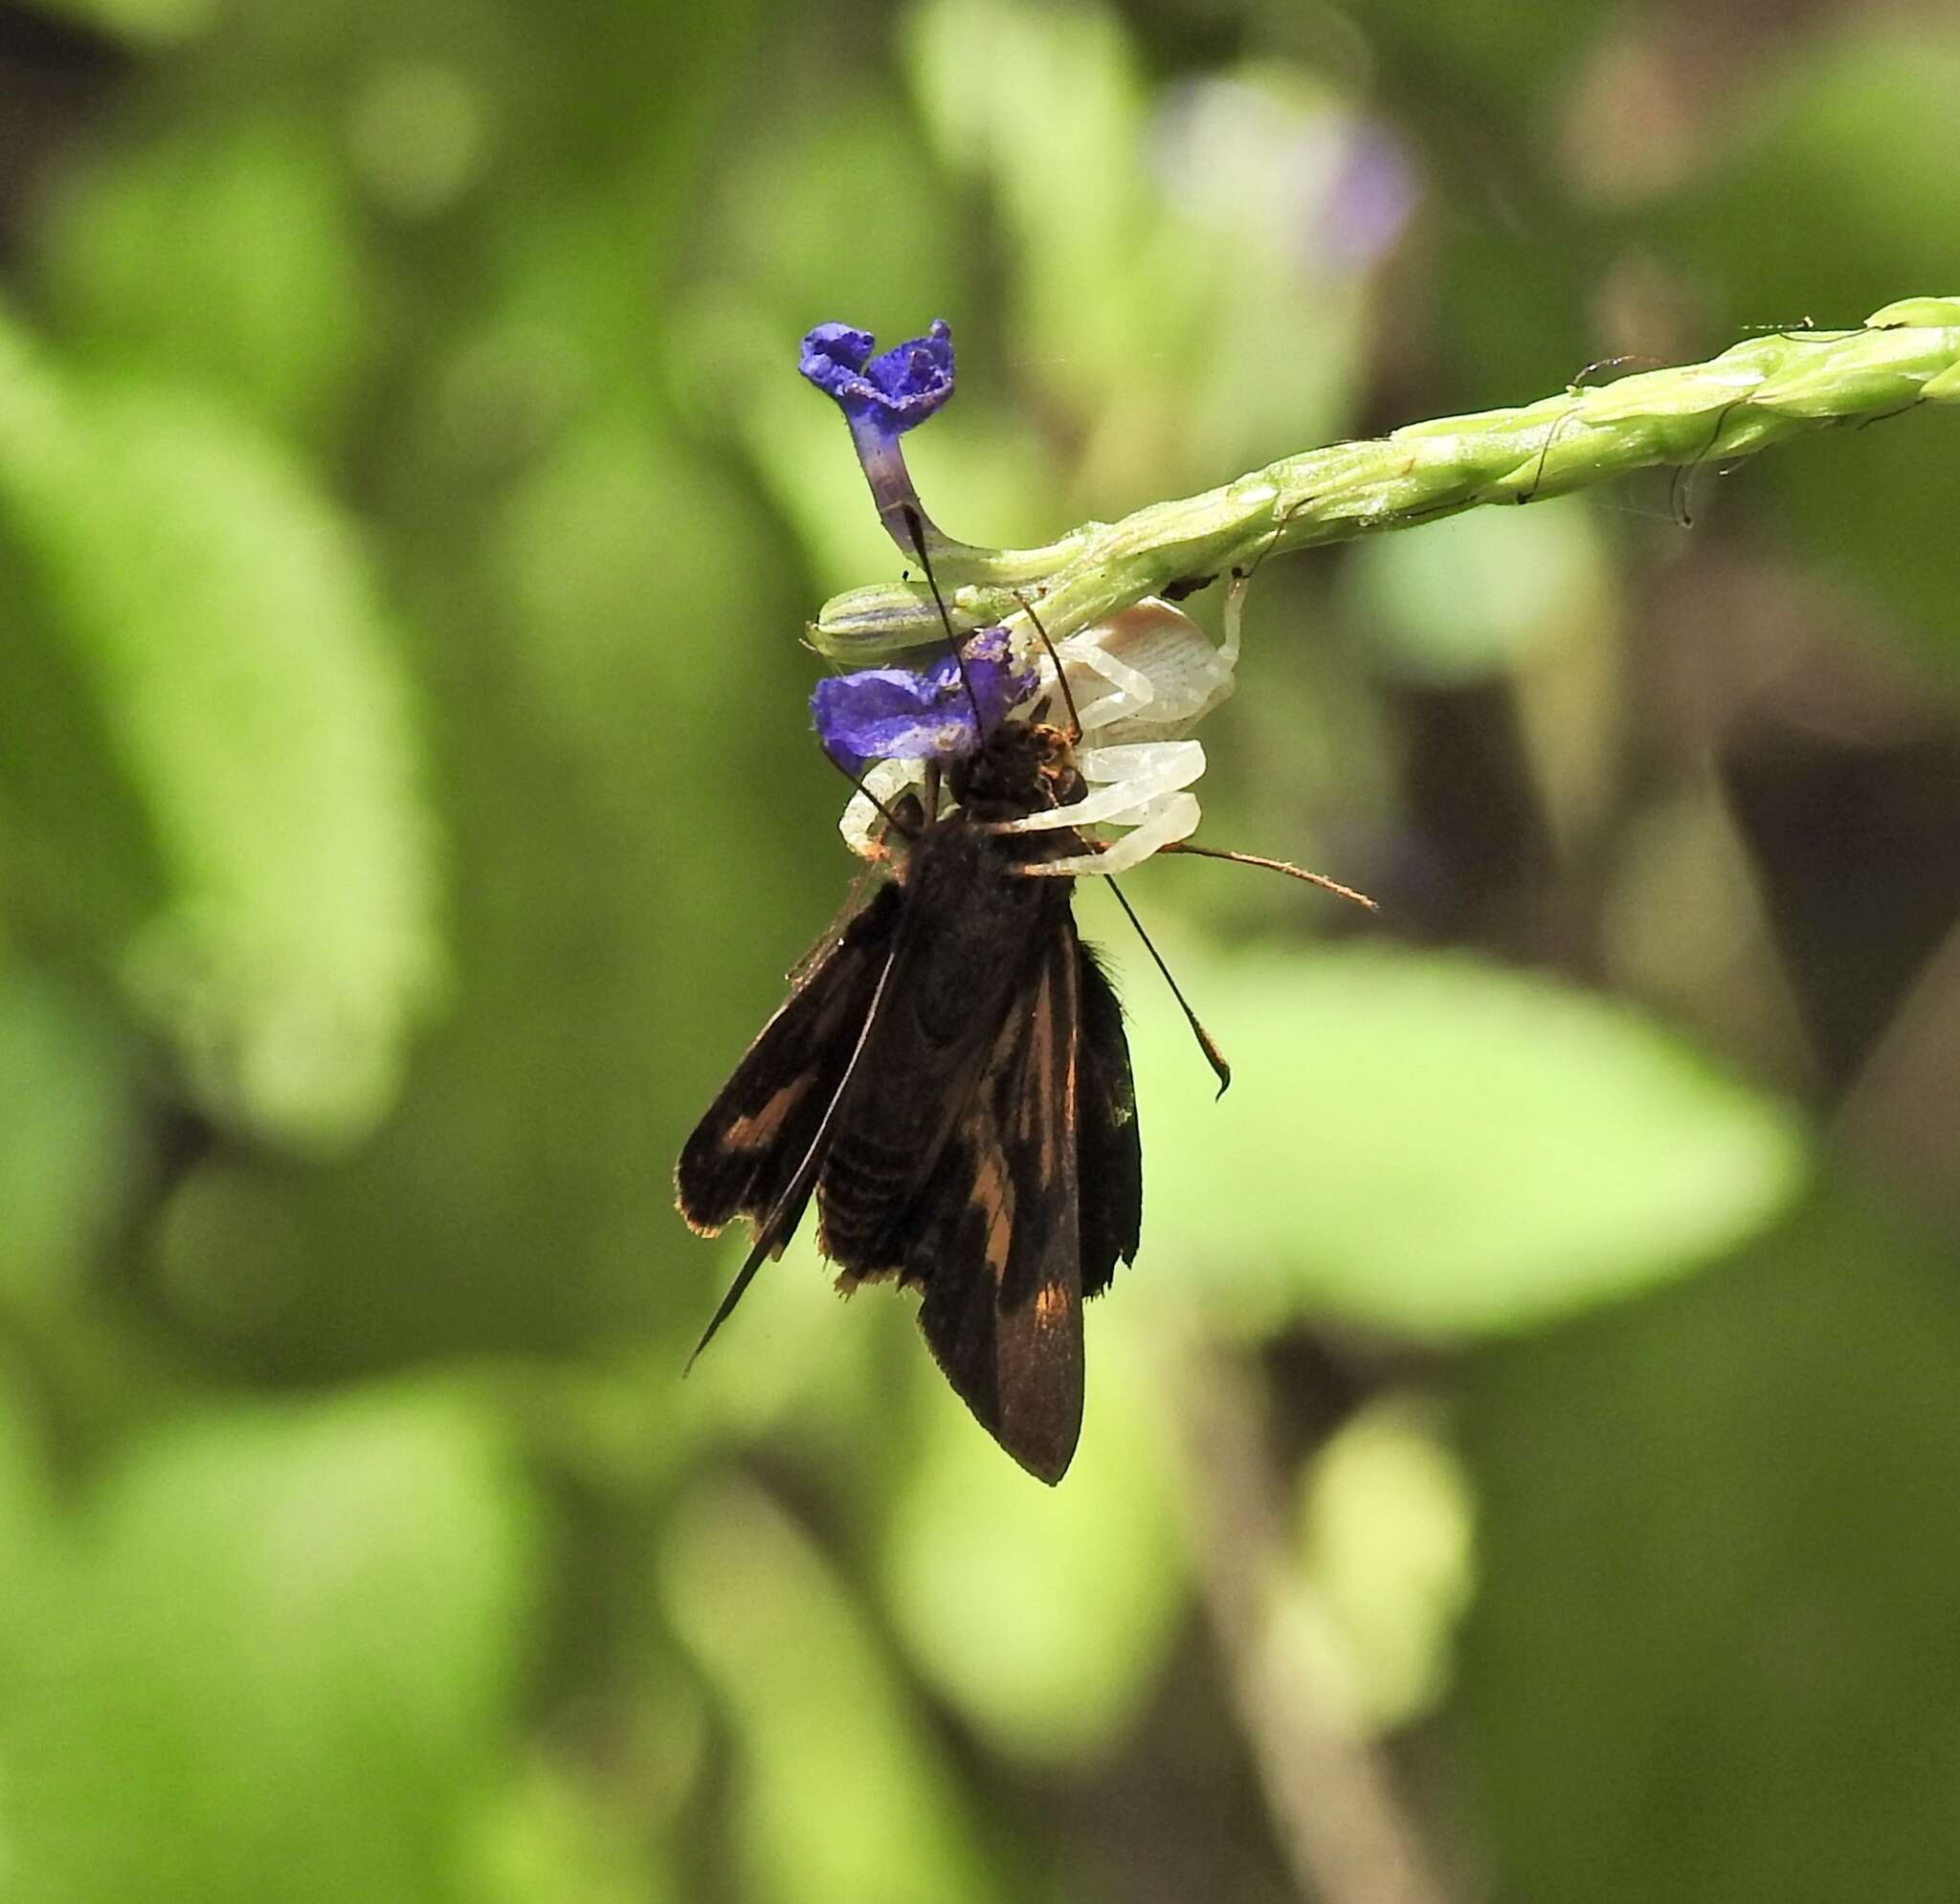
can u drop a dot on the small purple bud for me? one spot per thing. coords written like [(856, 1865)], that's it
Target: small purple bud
[(887, 714)]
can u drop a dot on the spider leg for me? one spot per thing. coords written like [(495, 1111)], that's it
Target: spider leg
[(865, 816), (1171, 817), (1127, 778), (1131, 690)]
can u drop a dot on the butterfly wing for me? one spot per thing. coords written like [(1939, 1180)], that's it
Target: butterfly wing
[(985, 1111), (1109, 1154), (995, 1237), (746, 1155)]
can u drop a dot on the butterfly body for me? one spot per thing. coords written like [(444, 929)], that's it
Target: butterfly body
[(951, 1081)]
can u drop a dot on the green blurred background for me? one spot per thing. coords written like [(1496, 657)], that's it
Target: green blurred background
[(1523, 1464)]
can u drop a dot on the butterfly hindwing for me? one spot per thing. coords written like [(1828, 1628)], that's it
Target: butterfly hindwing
[(1109, 1155), (744, 1155), (997, 1237)]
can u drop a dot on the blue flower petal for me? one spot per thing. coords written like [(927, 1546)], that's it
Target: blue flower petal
[(835, 356), (888, 394), (884, 714), (996, 683)]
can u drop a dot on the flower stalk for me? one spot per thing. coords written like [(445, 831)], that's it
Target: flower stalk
[(1760, 393)]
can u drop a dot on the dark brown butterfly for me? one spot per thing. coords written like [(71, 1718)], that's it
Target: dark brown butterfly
[(949, 1078)]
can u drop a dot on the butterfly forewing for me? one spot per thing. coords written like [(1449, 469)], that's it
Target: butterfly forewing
[(964, 962), (746, 1153)]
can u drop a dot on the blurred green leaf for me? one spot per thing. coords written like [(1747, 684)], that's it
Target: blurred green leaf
[(1500, 61), (1179, 301), (550, 1841), (143, 22), (1044, 1616), (1386, 1545), (64, 1106), (1474, 594), (1277, 198), (227, 254), (221, 618), (273, 1662), (844, 1797), (1865, 510), (1715, 1650), (28, 1510), (1434, 1144), (1855, 129), (418, 135), (1060, 143)]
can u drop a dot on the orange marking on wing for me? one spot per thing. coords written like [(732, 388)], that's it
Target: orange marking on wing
[(760, 1127), (1029, 1120), (995, 1197)]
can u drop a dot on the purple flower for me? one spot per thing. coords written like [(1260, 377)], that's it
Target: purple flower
[(882, 398), (887, 714), (886, 394)]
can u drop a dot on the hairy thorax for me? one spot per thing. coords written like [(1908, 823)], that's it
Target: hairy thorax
[(1021, 767)]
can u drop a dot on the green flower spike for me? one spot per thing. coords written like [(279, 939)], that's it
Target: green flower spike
[(1760, 393)]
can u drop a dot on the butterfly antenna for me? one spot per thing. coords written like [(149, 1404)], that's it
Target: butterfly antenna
[(1213, 1056), (1074, 719), (745, 1276), (1284, 866), (914, 524)]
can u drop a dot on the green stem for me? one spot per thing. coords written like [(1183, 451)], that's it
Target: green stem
[(1759, 392)]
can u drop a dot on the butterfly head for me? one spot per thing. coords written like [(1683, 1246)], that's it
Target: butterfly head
[(1021, 766)]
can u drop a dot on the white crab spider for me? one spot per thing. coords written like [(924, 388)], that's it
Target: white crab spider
[(1140, 681)]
